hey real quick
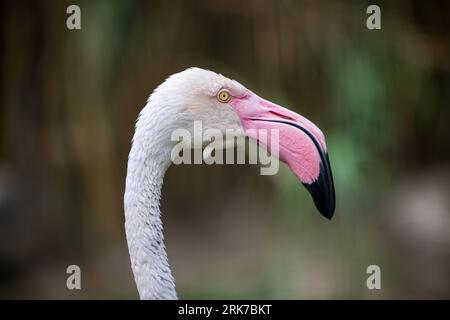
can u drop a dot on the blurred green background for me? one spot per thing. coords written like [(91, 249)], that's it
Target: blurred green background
[(69, 100)]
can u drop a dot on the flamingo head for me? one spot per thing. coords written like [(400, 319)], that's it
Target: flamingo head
[(221, 103)]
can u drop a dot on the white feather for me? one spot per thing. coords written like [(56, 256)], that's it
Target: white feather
[(182, 99)]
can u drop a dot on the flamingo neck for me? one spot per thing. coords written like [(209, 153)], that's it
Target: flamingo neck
[(147, 164)]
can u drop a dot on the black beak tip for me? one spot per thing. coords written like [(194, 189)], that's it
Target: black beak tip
[(323, 200), (326, 211), (322, 191)]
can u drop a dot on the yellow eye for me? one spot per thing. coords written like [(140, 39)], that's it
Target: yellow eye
[(223, 96)]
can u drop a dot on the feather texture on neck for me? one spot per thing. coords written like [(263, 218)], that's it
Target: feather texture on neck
[(148, 161)]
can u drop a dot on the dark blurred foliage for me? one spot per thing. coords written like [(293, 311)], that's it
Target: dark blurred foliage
[(69, 100)]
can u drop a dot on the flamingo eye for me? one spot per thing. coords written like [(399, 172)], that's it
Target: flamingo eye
[(223, 96)]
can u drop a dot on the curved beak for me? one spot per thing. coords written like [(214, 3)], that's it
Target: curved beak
[(301, 145)]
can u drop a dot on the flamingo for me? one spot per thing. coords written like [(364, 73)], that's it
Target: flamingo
[(197, 94)]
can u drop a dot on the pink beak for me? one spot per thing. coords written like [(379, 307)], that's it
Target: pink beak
[(301, 145)]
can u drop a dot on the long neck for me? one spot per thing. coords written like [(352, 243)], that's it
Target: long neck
[(148, 160)]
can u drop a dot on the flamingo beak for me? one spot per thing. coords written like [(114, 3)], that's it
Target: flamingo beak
[(301, 145)]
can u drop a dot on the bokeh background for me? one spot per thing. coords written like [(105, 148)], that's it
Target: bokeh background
[(69, 100)]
